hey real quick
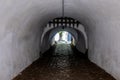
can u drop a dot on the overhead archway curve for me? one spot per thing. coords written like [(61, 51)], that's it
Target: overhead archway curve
[(81, 39), (80, 29)]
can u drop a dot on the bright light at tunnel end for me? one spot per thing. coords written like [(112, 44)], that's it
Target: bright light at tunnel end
[(63, 37)]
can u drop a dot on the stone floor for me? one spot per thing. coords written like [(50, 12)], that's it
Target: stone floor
[(63, 63)]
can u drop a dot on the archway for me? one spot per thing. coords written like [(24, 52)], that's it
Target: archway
[(72, 26)]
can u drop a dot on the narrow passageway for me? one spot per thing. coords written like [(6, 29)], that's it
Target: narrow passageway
[(63, 63)]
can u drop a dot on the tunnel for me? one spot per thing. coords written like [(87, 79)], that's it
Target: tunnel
[(26, 34)]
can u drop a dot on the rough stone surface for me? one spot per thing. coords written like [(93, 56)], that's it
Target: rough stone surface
[(63, 64)]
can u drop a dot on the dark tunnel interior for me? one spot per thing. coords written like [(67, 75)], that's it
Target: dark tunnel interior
[(27, 29), (64, 55)]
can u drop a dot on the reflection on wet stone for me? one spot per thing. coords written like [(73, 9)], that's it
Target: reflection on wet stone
[(63, 64)]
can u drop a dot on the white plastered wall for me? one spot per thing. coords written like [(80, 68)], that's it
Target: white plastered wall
[(101, 19), (21, 27)]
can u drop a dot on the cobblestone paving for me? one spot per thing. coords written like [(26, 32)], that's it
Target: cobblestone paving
[(63, 64)]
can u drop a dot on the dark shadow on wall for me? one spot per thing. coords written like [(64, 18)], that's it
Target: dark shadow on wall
[(76, 51)]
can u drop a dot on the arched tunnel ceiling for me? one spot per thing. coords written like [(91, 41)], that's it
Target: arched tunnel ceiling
[(85, 11), (65, 23), (45, 10), (80, 39), (21, 19), (77, 31)]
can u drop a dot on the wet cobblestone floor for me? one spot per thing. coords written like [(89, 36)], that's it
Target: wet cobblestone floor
[(63, 63)]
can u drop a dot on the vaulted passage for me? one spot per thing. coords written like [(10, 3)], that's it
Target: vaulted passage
[(28, 27), (63, 62)]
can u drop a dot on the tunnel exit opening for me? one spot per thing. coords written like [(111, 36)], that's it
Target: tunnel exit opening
[(71, 26), (63, 37)]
